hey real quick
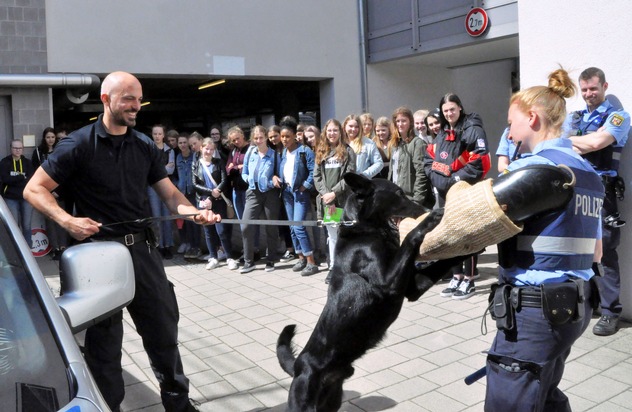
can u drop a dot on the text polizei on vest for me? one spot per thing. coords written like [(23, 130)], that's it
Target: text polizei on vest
[(588, 205)]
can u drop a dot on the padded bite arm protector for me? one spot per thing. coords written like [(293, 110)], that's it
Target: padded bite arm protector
[(483, 214), (531, 190)]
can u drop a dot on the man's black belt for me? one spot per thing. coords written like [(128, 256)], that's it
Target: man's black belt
[(126, 240)]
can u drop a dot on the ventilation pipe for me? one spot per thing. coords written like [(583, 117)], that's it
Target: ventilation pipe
[(77, 86)]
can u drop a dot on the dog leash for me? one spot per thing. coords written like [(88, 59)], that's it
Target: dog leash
[(272, 222), (151, 219), (262, 222)]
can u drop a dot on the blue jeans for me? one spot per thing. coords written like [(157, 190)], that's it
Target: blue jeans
[(190, 230), (164, 228), (218, 233), (22, 211), (298, 205), (239, 202)]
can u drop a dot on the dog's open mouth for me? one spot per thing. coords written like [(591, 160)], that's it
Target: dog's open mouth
[(395, 221)]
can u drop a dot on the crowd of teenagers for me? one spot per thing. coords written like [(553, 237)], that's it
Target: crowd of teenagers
[(293, 173)]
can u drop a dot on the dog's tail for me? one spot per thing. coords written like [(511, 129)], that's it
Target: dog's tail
[(285, 351)]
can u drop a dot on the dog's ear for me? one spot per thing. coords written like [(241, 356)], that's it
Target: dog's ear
[(358, 183)]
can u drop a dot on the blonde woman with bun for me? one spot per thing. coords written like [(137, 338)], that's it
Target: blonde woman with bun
[(551, 257)]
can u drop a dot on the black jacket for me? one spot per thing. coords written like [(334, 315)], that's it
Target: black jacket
[(14, 175)]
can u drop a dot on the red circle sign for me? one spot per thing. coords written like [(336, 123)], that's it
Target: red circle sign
[(476, 22)]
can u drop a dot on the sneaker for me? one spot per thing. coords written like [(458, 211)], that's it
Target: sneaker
[(183, 248), (248, 267), (269, 267), (300, 265), (232, 264), (452, 287), (465, 290), (221, 255), (205, 258), (212, 264), (606, 326), (309, 270), (287, 256), (193, 253)]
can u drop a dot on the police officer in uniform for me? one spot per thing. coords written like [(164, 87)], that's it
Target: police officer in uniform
[(599, 133), (108, 166), (541, 304)]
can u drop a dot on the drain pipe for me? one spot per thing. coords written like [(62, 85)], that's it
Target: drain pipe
[(363, 73), (77, 86)]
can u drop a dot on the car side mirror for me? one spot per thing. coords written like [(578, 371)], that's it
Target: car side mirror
[(97, 280)]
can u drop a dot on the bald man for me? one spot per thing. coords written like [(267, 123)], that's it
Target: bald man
[(107, 166)]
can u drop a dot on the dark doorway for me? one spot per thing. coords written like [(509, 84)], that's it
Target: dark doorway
[(177, 103)]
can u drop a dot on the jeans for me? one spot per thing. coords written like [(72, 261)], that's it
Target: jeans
[(22, 211), (191, 230), (218, 233), (164, 228), (297, 206), (239, 202)]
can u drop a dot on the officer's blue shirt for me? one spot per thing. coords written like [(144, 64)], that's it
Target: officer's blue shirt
[(617, 122), (506, 147), (533, 277)]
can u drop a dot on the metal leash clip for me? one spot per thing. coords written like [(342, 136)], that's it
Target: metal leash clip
[(321, 223)]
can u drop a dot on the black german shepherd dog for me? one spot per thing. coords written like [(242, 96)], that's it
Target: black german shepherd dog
[(371, 277)]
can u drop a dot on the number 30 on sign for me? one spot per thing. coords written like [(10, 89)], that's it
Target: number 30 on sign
[(476, 22)]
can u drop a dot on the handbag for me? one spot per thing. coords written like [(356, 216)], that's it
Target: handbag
[(230, 209)]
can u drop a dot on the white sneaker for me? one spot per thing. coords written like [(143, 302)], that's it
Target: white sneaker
[(212, 264), (183, 248), (232, 264)]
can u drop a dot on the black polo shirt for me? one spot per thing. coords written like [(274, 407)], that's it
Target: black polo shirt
[(108, 175)]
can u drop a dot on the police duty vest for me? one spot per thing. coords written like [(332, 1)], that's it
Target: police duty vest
[(606, 159), (566, 240)]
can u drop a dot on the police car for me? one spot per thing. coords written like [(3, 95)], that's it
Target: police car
[(41, 365)]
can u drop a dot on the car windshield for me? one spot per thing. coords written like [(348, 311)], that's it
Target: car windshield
[(33, 373)]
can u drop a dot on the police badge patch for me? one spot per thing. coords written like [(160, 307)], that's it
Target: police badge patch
[(616, 120)]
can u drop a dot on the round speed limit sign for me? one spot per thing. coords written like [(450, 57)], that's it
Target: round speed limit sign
[(476, 22)]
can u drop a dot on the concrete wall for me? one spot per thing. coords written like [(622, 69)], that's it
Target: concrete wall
[(398, 83), (241, 38), (23, 51), (483, 88), (578, 34)]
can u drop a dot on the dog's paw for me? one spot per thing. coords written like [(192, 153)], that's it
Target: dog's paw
[(418, 285), (416, 236)]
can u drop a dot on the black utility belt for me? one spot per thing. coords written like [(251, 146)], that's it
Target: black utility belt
[(560, 302), (129, 239)]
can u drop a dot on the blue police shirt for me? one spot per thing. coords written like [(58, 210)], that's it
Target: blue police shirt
[(533, 277), (506, 147), (614, 121)]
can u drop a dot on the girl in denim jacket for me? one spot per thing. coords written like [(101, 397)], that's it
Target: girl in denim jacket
[(260, 166)]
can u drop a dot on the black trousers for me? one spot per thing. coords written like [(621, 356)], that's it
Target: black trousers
[(154, 311), (610, 283)]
